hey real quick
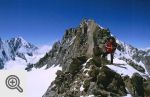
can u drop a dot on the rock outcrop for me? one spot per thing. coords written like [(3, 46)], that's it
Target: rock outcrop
[(84, 70), (88, 80), (76, 42)]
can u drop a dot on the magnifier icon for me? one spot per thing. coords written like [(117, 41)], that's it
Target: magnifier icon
[(13, 82)]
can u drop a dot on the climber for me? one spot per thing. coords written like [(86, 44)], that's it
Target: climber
[(110, 47)]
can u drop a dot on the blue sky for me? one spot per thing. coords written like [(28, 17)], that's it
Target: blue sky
[(45, 21)]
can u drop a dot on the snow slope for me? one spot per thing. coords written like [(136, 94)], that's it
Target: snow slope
[(123, 68), (38, 80), (36, 85)]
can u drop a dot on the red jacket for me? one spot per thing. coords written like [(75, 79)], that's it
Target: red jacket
[(109, 47)]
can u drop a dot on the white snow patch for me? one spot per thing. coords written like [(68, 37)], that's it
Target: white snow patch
[(86, 69), (123, 68), (128, 95), (24, 42), (88, 96), (72, 40), (87, 61), (141, 64), (38, 81), (16, 64), (81, 88)]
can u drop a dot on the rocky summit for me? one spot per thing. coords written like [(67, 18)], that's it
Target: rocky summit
[(76, 42), (85, 73)]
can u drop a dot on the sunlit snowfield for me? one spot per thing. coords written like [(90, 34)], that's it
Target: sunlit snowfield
[(38, 80)]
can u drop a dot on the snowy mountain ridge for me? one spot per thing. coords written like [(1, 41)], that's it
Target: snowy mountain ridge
[(17, 52), (136, 56)]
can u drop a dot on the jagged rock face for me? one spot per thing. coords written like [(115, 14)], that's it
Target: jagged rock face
[(15, 47), (137, 81), (146, 61), (17, 43), (88, 80), (76, 42), (137, 86), (80, 41), (147, 88), (144, 57)]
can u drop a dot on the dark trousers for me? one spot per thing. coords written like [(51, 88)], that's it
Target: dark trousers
[(111, 56)]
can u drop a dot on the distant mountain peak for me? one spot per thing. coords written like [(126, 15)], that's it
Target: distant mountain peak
[(19, 39), (15, 47)]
